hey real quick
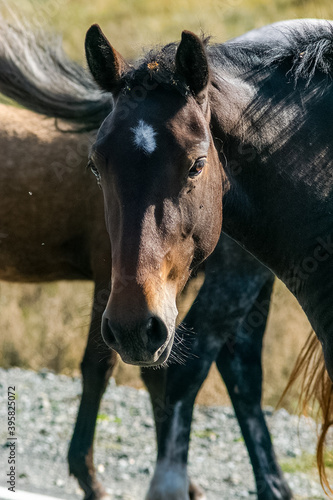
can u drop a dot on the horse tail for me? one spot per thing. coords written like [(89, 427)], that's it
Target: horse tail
[(316, 394), (36, 73)]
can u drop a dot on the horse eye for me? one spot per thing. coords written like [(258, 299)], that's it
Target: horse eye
[(94, 170), (197, 167)]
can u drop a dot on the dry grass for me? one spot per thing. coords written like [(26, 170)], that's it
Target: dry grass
[(47, 325), (44, 325)]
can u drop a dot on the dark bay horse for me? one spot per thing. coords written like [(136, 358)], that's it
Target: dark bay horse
[(52, 227), (240, 130)]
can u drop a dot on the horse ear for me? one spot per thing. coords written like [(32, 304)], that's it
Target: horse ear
[(192, 63), (105, 63)]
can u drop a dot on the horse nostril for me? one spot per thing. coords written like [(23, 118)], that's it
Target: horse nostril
[(108, 333), (138, 342), (155, 334)]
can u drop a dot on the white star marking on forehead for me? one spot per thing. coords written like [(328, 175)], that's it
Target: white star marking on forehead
[(144, 137)]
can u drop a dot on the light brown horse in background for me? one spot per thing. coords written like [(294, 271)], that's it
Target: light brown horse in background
[(52, 228)]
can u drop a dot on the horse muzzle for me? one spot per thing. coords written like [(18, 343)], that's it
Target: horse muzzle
[(145, 343)]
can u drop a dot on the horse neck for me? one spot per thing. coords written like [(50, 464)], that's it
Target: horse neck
[(279, 192)]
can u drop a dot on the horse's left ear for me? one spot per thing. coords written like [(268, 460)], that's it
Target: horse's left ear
[(192, 63), (105, 63)]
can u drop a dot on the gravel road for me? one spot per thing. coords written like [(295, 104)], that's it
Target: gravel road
[(125, 442)]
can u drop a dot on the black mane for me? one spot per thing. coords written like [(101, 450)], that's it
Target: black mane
[(157, 66), (304, 47), (308, 51)]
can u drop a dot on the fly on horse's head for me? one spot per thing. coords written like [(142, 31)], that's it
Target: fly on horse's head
[(161, 179)]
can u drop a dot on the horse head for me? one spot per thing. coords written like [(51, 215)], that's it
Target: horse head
[(161, 178)]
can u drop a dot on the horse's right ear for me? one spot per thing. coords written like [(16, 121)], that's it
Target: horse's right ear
[(105, 63)]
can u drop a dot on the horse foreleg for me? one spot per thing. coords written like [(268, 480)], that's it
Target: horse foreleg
[(97, 365), (239, 363), (173, 392), (155, 381)]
